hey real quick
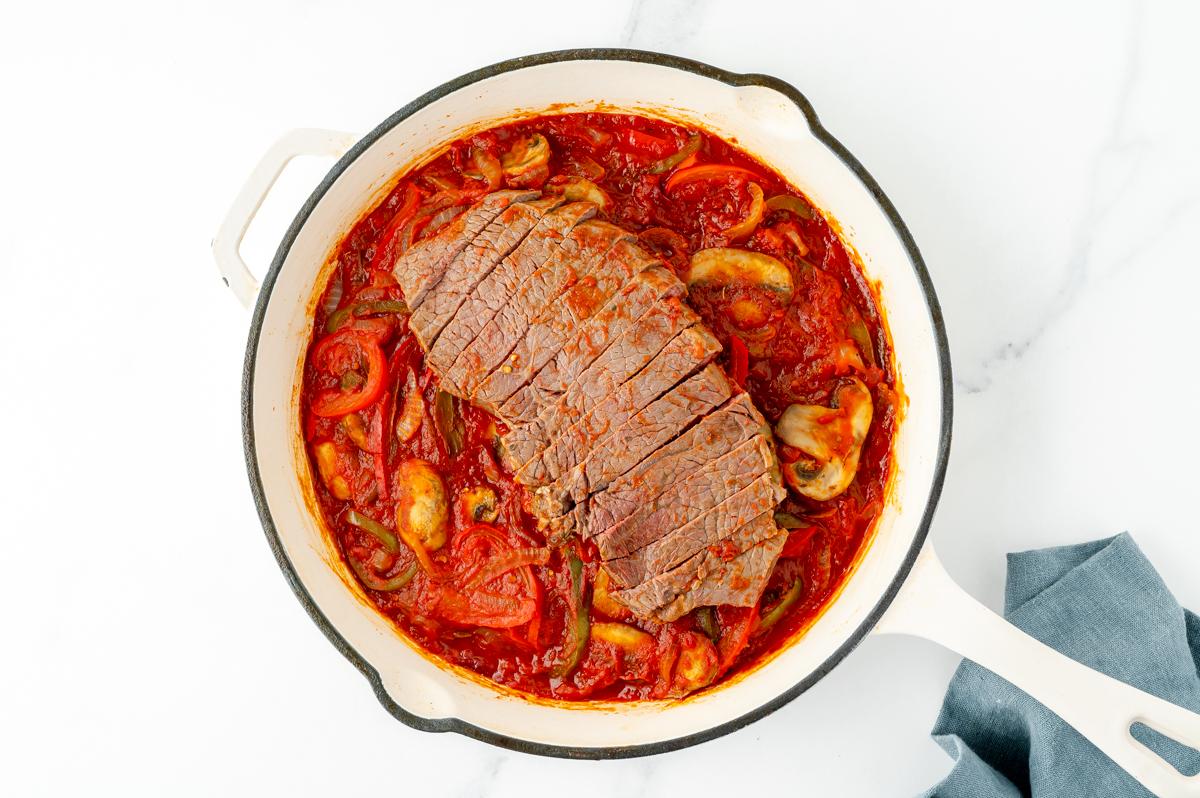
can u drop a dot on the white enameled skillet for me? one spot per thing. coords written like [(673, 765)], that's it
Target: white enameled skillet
[(897, 586)]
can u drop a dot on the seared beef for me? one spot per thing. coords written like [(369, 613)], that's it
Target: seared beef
[(495, 291), (582, 250), (422, 266), (686, 354), (578, 339), (662, 589), (709, 529), (590, 341), (627, 356), (473, 264), (640, 436), (546, 336), (702, 490), (713, 437)]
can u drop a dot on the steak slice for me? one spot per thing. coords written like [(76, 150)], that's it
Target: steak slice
[(589, 342), (687, 353), (739, 582), (473, 264), (497, 288), (573, 260), (715, 435), (702, 490), (546, 336), (639, 437), (422, 266), (640, 344), (655, 593), (709, 529)]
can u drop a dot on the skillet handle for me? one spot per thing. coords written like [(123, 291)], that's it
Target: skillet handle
[(1102, 709), (228, 240)]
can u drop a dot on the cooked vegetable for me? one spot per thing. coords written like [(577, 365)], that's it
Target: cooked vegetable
[(707, 621), (747, 226), (831, 436), (780, 607), (862, 338), (411, 416), (385, 246), (505, 562), (423, 512), (527, 154), (788, 521), (622, 635), (576, 189), (343, 352), (581, 629), (739, 361), (449, 421), (375, 529), (602, 601), (352, 423), (383, 585), (359, 309), (326, 456), (708, 171), (694, 142), (667, 243), (697, 663), (486, 167), (721, 266), (481, 503), (786, 202)]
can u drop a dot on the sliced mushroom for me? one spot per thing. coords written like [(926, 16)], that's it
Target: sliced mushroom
[(481, 504), (526, 155), (721, 266), (423, 512), (832, 437), (576, 189)]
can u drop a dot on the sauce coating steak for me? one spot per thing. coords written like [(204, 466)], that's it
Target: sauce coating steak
[(622, 427)]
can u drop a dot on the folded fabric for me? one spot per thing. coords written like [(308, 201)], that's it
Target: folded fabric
[(1101, 604)]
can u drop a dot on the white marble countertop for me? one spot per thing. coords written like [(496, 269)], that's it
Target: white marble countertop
[(1044, 157)]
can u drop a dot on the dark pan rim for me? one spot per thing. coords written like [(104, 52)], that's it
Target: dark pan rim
[(615, 752)]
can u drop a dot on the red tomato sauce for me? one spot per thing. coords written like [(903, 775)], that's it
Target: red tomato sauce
[(365, 372)]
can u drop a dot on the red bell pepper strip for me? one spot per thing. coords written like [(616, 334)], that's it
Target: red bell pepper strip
[(339, 353), (708, 171), (385, 247), (739, 361), (797, 541)]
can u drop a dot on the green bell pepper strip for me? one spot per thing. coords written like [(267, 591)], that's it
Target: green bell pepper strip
[(362, 309), (383, 585), (781, 607), (708, 624), (375, 529), (786, 202), (671, 161), (583, 624)]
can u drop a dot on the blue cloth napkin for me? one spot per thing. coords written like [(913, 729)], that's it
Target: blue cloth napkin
[(1101, 604)]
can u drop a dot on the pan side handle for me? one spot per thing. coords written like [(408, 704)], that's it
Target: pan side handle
[(228, 240), (1102, 709)]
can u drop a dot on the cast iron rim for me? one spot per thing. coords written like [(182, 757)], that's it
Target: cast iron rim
[(614, 752)]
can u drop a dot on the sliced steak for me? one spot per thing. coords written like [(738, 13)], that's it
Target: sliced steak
[(716, 435), (709, 529), (702, 490), (422, 266), (573, 260), (662, 589), (739, 582), (687, 353), (473, 264), (639, 437), (546, 336), (497, 288), (640, 344), (590, 341)]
